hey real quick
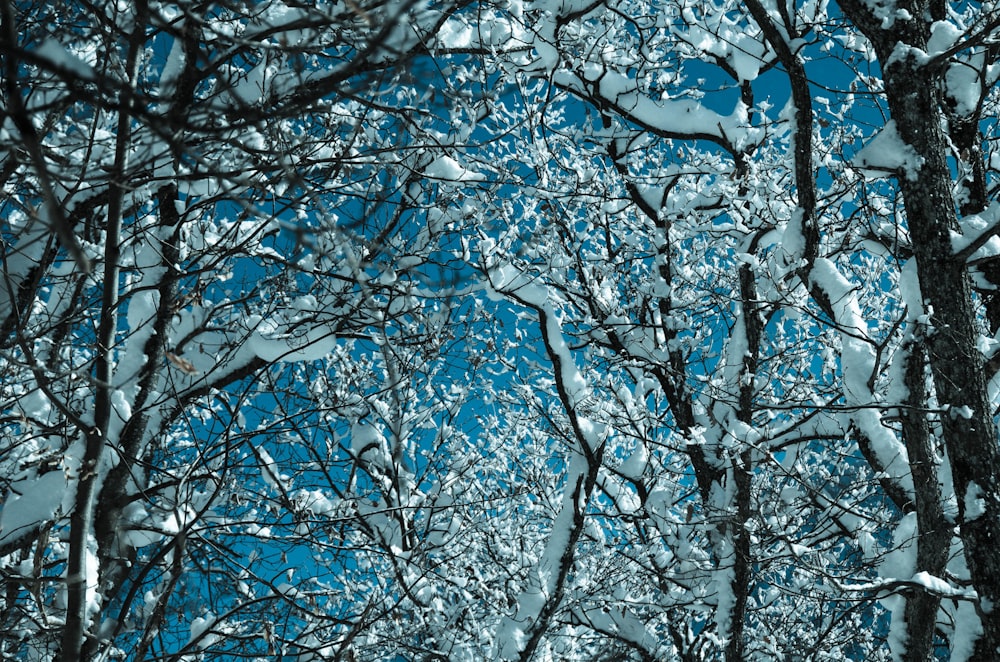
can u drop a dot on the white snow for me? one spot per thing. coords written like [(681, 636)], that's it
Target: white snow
[(975, 504), (793, 242), (448, 169), (671, 116), (727, 41), (544, 577), (722, 583), (627, 625), (964, 412), (121, 406), (980, 228), (367, 442), (456, 33), (319, 504), (20, 258), (201, 635), (886, 154), (968, 628), (944, 35), (278, 19), (139, 528), (857, 359), (963, 84), (573, 381), (900, 561), (32, 502), (269, 470), (268, 343), (933, 584), (909, 290), (52, 50), (635, 465), (507, 281), (173, 67), (624, 498)]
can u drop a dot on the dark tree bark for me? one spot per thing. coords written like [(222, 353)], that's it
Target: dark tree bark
[(82, 520), (911, 88), (934, 533)]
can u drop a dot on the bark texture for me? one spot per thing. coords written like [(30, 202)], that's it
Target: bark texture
[(912, 88)]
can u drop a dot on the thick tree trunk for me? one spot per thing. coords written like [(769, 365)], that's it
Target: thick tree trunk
[(934, 539), (970, 437), (956, 363)]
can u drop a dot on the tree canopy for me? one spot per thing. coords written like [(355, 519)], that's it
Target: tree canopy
[(499, 330)]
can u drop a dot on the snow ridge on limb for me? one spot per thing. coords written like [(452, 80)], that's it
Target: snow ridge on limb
[(520, 634), (859, 369)]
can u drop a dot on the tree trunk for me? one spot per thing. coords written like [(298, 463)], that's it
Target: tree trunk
[(958, 369), (934, 532)]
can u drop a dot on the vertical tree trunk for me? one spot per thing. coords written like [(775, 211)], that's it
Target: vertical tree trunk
[(956, 363), (912, 89), (81, 537), (934, 532)]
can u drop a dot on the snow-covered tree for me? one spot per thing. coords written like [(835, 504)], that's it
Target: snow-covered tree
[(611, 329), (761, 277), (210, 278)]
